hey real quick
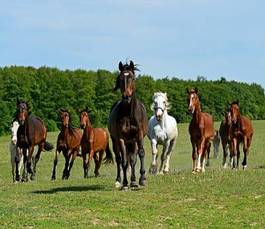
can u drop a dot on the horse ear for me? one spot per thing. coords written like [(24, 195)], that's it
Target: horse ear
[(196, 90), (18, 101), (187, 90), (131, 65), (237, 102), (120, 66)]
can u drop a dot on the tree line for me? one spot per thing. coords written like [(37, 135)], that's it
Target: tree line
[(47, 89)]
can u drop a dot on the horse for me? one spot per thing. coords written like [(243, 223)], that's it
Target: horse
[(224, 130), (201, 131), (127, 126), (241, 131), (14, 155), (68, 141), (94, 142), (31, 132), (162, 130)]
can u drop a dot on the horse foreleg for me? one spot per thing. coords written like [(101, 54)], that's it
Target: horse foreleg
[(141, 155), (16, 163), (171, 146), (153, 167), (133, 160), (35, 161), (164, 156), (85, 162), (124, 162), (67, 156), (74, 154), (234, 152), (29, 159), (55, 161), (208, 150), (116, 151), (224, 145), (200, 154), (25, 161), (247, 143)]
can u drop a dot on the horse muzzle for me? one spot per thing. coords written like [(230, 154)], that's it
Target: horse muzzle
[(127, 99), (82, 126)]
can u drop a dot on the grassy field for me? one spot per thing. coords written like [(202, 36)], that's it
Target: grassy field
[(217, 199)]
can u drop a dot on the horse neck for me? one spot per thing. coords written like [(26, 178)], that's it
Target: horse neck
[(88, 129), (197, 112)]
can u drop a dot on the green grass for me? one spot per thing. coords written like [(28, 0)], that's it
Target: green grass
[(217, 199)]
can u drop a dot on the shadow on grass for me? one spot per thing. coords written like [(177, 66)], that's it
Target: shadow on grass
[(260, 167), (73, 189)]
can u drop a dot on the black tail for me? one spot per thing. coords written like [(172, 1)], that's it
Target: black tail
[(48, 146), (109, 158)]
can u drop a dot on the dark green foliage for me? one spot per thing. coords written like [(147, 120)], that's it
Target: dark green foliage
[(48, 89)]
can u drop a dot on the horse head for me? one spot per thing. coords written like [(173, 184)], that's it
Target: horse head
[(160, 104), (235, 112), (126, 80), (193, 100), (65, 117), (84, 118), (22, 111), (14, 128)]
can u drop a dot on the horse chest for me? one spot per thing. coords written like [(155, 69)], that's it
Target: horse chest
[(160, 133)]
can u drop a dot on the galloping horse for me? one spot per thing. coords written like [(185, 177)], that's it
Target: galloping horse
[(241, 131), (162, 129), (224, 130), (128, 127), (14, 155), (201, 131), (68, 141), (94, 143), (31, 132)]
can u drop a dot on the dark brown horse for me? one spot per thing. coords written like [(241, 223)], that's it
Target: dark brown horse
[(94, 143), (68, 141), (201, 131), (241, 131), (224, 134), (128, 127), (31, 132)]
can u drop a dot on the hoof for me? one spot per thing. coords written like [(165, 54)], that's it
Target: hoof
[(117, 184), (153, 169), (24, 179), (124, 188), (53, 178), (32, 177), (142, 182), (166, 172), (244, 167), (198, 169), (208, 164), (134, 184), (97, 174)]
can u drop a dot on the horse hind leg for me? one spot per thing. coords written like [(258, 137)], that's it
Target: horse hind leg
[(55, 161), (133, 160), (98, 160), (118, 162), (35, 160), (208, 150), (168, 155), (141, 154), (247, 143)]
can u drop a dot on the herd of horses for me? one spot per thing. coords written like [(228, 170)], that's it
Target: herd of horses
[(127, 127)]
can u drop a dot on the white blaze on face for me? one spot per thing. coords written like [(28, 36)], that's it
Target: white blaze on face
[(191, 107), (14, 129)]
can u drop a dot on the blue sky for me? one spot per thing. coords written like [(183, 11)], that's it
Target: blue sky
[(181, 38)]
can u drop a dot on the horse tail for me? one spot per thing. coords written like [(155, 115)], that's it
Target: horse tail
[(48, 146), (109, 158)]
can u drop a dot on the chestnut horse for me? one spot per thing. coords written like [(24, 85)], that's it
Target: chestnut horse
[(68, 141), (31, 132), (201, 131), (128, 127), (224, 134), (94, 143), (241, 131)]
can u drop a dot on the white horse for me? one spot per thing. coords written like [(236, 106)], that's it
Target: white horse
[(162, 129), (14, 155)]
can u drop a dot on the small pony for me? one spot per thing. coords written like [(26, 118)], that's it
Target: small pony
[(68, 141), (224, 131), (201, 131), (162, 129), (94, 142), (241, 131), (14, 155)]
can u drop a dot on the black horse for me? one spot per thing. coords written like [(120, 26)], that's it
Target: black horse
[(31, 132), (128, 127)]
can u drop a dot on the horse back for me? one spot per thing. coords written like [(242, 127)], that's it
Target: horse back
[(36, 131)]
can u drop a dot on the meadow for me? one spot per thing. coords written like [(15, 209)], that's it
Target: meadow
[(219, 198)]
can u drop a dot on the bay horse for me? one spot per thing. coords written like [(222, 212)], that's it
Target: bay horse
[(68, 141), (31, 132), (162, 130), (201, 131), (94, 142), (128, 127), (14, 154), (224, 130), (241, 131)]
